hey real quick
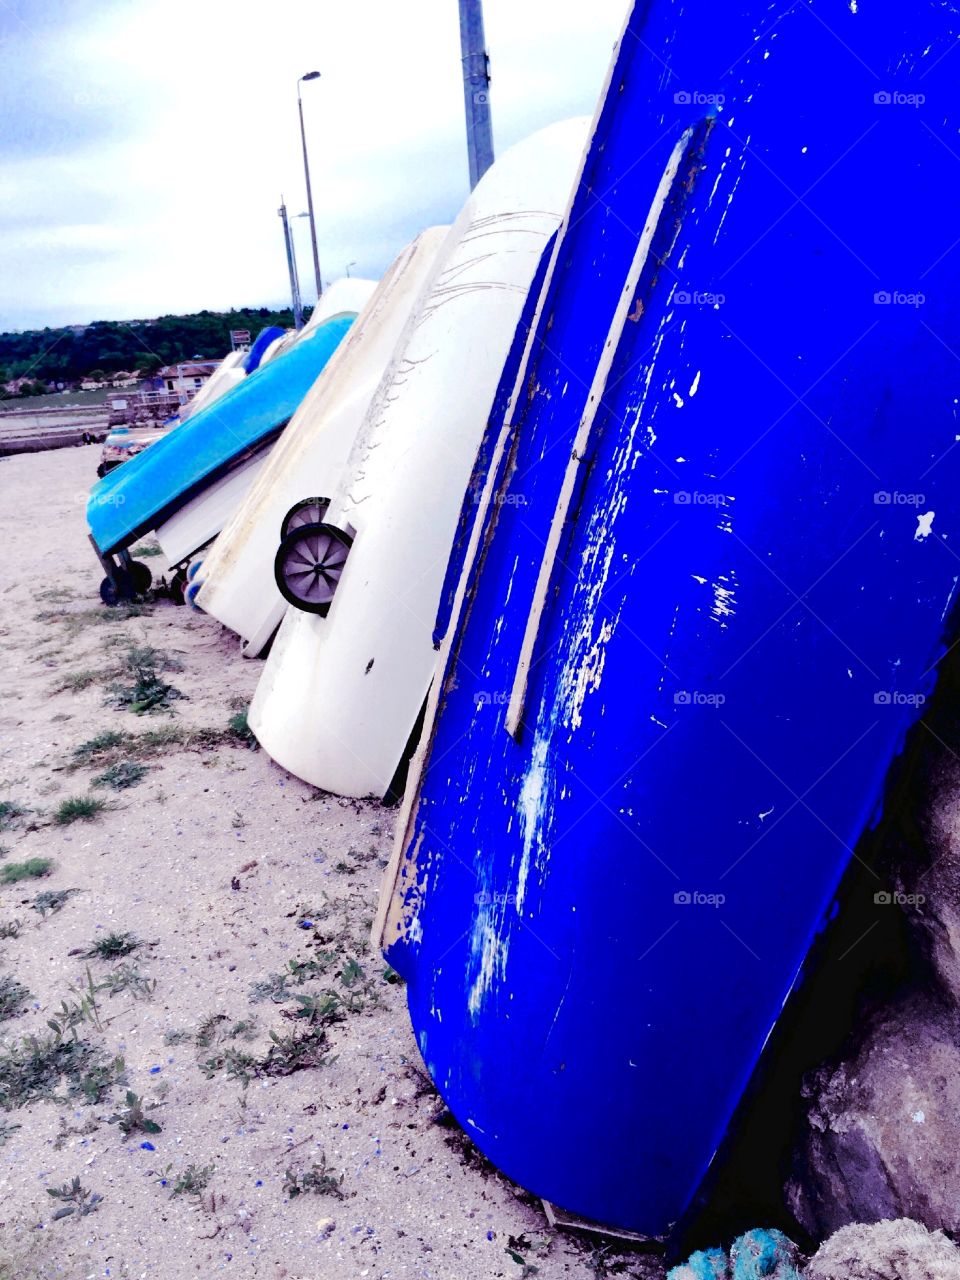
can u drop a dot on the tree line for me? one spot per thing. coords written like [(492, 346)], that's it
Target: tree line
[(107, 347)]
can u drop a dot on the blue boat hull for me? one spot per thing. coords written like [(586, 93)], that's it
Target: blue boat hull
[(709, 587), (150, 487)]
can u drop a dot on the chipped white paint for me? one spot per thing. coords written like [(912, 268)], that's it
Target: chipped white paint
[(724, 599), (924, 526), (624, 307)]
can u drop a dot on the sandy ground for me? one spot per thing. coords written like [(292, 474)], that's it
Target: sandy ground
[(226, 869)]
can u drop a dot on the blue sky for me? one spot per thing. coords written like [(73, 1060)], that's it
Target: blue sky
[(144, 146)]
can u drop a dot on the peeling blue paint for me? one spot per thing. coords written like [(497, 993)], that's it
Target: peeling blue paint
[(718, 682)]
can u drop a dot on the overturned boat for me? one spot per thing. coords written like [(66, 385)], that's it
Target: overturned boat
[(187, 484), (348, 672), (705, 592), (236, 581)]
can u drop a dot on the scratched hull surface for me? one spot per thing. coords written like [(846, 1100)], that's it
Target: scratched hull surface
[(340, 695), (716, 572), (237, 573), (146, 491)]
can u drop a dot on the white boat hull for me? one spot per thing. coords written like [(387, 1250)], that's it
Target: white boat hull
[(238, 585), (340, 695)]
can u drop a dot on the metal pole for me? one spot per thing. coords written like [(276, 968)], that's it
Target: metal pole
[(291, 267), (476, 89), (312, 75)]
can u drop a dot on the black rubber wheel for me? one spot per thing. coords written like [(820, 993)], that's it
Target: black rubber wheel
[(121, 588), (140, 576), (309, 564), (178, 587), (307, 511)]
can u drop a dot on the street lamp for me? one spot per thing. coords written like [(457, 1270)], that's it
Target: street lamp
[(349, 265), (311, 75)]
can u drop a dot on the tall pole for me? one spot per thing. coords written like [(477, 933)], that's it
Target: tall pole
[(476, 89), (311, 75), (291, 267)]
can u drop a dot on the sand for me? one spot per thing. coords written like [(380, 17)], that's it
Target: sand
[(226, 869)]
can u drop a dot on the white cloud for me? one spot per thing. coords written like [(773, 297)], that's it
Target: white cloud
[(147, 145)]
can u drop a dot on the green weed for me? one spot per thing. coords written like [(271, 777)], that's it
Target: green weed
[(32, 869), (79, 809)]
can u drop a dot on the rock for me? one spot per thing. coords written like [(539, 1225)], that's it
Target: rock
[(883, 1136), (892, 1250)]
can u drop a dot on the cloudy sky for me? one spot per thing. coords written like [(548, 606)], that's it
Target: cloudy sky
[(144, 145)]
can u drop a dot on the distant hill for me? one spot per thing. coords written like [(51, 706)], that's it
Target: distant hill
[(107, 346)]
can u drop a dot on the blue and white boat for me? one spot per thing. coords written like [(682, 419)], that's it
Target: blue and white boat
[(186, 485), (704, 595)]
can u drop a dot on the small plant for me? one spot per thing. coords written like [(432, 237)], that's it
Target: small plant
[(192, 1181), (52, 900), (77, 681), (132, 1116), (321, 1010), (239, 1066), (126, 977), (10, 929), (295, 1052), (174, 1037), (35, 1067), (6, 1133), (146, 549), (148, 691), (318, 1180), (95, 748), (273, 987), (77, 1200), (112, 946), (238, 821), (239, 729), (13, 996), (79, 809), (82, 1008), (120, 776), (32, 869), (11, 814)]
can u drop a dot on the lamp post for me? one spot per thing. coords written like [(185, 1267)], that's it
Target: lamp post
[(311, 75), (476, 89), (291, 267), (349, 265)]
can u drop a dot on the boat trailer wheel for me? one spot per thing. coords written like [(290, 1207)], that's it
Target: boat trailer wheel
[(309, 564), (126, 580), (306, 511)]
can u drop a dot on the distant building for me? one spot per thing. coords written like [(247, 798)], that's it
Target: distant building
[(186, 379)]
